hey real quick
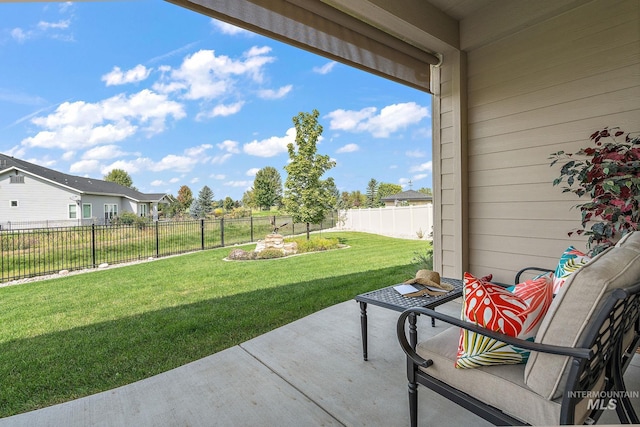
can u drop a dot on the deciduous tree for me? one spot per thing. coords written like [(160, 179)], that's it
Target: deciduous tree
[(267, 188), (307, 197), (120, 176)]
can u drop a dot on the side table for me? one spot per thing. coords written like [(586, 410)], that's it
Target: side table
[(390, 298)]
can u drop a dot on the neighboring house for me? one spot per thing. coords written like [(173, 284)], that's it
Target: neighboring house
[(34, 195), (409, 197)]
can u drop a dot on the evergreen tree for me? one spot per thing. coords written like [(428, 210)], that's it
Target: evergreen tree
[(372, 194), (306, 195), (205, 200), (267, 188)]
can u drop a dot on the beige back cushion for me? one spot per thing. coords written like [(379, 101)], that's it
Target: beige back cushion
[(573, 307)]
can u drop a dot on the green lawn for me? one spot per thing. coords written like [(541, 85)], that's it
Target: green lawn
[(65, 338)]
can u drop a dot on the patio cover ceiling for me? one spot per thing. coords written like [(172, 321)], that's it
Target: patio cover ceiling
[(366, 34)]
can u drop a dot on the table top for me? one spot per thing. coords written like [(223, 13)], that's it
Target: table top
[(390, 298)]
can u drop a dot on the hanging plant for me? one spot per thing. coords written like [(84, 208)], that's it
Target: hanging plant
[(609, 174)]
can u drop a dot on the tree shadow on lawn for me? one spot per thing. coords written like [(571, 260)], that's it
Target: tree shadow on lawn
[(57, 367)]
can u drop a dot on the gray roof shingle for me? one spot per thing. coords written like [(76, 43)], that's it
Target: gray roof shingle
[(77, 183)]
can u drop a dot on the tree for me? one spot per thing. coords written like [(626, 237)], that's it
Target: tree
[(385, 189), (119, 176), (306, 196), (267, 188), (372, 194), (248, 199), (205, 200), (426, 190), (185, 198), (229, 204)]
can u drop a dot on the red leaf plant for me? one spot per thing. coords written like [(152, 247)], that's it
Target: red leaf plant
[(609, 174)]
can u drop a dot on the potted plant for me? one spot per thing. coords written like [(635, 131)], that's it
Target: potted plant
[(608, 173)]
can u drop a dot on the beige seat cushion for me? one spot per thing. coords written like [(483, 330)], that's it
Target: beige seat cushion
[(575, 304), (500, 386)]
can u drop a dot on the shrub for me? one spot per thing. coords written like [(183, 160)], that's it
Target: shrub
[(270, 254), (423, 260), (315, 244), (609, 175)]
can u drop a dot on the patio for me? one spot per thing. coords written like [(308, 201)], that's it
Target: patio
[(309, 372)]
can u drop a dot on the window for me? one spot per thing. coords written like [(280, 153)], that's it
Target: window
[(16, 179), (87, 211), (14, 203), (73, 211), (143, 210), (110, 210)]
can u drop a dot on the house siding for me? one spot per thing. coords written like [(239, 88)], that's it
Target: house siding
[(540, 90), (37, 200)]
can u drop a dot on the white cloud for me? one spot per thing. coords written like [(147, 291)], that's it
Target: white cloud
[(252, 172), (246, 184), (157, 183), (222, 110), (218, 160), (326, 68), (226, 28), (174, 180), (271, 146), (380, 125), (415, 153), (119, 77), (218, 176), (203, 75), (229, 146), (199, 151), (104, 152), (427, 166), (420, 176), (194, 180), (60, 25), (275, 94), (77, 125), (349, 148), (85, 166)]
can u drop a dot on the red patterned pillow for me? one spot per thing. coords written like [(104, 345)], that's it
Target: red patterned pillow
[(515, 311)]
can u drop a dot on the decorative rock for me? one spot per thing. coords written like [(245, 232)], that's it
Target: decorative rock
[(63, 272), (103, 265), (276, 241)]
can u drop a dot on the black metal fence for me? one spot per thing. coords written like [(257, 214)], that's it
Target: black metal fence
[(37, 252)]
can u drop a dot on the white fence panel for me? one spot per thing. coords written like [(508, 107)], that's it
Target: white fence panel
[(408, 222)]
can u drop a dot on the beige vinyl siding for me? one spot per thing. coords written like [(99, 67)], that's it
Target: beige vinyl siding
[(543, 89), (449, 113)]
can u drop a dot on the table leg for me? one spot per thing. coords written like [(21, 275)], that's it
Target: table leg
[(433, 321), (363, 326)]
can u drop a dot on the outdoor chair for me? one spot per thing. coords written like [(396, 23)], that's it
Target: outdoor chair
[(576, 364)]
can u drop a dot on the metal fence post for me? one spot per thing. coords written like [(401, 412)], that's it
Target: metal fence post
[(202, 234), (93, 245), (222, 232), (157, 240), (251, 227)]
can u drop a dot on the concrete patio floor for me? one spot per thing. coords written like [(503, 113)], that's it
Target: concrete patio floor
[(307, 373)]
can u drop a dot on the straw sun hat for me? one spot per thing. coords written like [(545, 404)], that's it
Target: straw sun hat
[(431, 279)]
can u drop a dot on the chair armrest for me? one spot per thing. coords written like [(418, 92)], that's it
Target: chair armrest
[(539, 269), (577, 352)]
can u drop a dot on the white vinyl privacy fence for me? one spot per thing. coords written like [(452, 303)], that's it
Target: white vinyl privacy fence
[(409, 222)]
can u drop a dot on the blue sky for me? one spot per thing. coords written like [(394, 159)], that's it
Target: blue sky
[(176, 98)]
